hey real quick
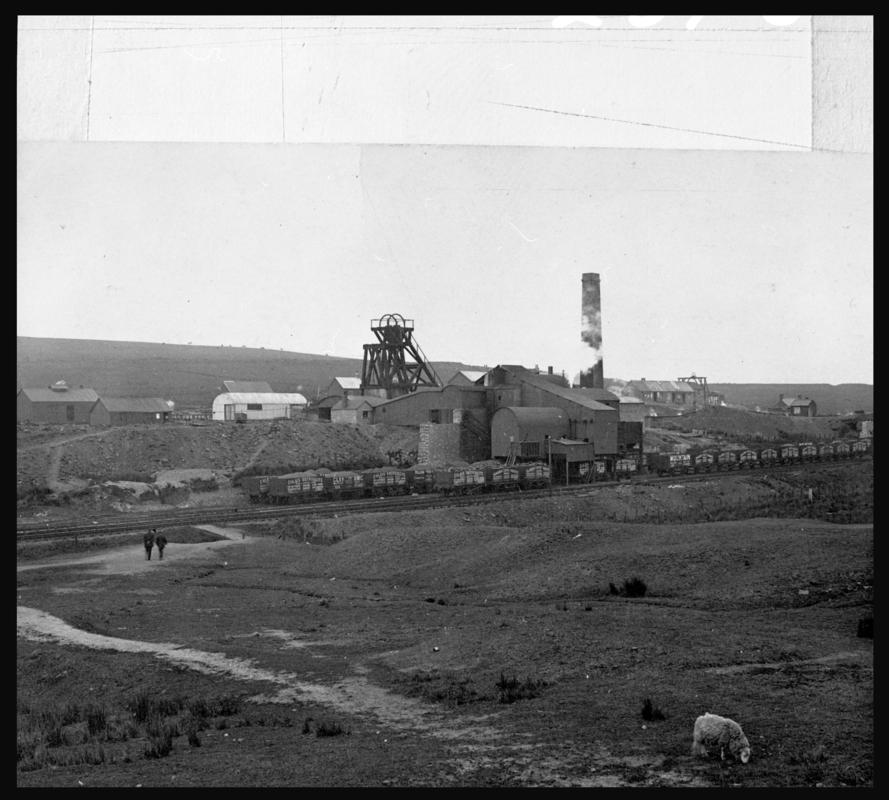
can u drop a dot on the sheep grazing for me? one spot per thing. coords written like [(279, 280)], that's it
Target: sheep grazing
[(712, 731)]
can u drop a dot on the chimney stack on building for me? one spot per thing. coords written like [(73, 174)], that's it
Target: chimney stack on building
[(591, 330)]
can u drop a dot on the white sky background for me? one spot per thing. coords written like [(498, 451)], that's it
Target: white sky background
[(740, 265)]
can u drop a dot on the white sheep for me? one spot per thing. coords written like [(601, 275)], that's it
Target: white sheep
[(712, 731)]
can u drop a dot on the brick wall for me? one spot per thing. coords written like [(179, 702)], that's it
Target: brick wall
[(439, 443)]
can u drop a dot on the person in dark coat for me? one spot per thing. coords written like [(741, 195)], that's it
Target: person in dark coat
[(148, 541), (161, 541)]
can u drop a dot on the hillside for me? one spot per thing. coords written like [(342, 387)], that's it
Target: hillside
[(842, 398), (190, 375)]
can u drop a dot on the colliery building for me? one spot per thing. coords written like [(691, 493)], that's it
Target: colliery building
[(129, 411), (57, 404)]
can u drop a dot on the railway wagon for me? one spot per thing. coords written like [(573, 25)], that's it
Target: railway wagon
[(859, 447), (459, 480), (727, 459), (343, 484), (670, 463), (295, 487), (703, 462), (421, 479), (501, 479), (788, 453), (825, 452), (769, 455), (380, 482), (256, 487), (533, 476), (748, 459), (625, 467), (808, 452), (841, 449)]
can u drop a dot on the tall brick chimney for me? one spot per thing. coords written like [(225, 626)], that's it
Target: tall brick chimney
[(591, 330)]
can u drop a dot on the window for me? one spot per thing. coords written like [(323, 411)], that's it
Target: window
[(69, 413), (254, 406), (530, 449), (364, 414), (434, 415)]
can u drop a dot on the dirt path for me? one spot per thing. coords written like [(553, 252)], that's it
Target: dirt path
[(131, 559), (256, 453)]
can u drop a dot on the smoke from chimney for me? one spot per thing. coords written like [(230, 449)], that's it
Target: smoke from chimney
[(591, 330)]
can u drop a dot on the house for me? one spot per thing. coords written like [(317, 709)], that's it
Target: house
[(343, 387), (803, 407), (129, 411), (246, 386), (57, 404), (242, 406), (355, 410)]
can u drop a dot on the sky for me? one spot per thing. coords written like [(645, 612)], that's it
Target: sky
[(205, 186), (741, 267)]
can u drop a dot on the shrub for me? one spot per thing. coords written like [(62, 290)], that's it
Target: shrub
[(650, 712), (228, 704), (159, 744), (634, 587), (510, 690), (199, 708), (96, 719), (140, 705), (328, 729), (70, 713)]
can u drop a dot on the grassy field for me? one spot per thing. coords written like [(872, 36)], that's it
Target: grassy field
[(481, 646)]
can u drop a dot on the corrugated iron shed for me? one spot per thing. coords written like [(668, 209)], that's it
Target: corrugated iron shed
[(66, 396), (149, 405)]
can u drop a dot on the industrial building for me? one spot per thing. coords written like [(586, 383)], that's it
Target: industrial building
[(129, 411), (671, 393), (467, 377), (343, 387), (57, 403), (243, 406), (354, 410)]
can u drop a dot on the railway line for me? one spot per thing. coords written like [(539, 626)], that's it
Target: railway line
[(111, 525)]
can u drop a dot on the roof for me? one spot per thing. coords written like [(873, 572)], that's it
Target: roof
[(589, 398), (801, 401), (349, 383), (68, 396), (635, 400), (150, 405), (662, 386), (356, 401), (282, 398), (246, 386), (471, 375), (528, 416)]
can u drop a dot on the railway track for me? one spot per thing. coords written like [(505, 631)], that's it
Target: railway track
[(114, 524)]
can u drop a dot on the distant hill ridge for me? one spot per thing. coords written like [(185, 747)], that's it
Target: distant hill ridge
[(191, 375)]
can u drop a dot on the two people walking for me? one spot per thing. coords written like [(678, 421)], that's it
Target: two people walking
[(151, 539)]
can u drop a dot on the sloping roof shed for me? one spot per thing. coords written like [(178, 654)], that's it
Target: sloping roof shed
[(61, 407), (129, 411)]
